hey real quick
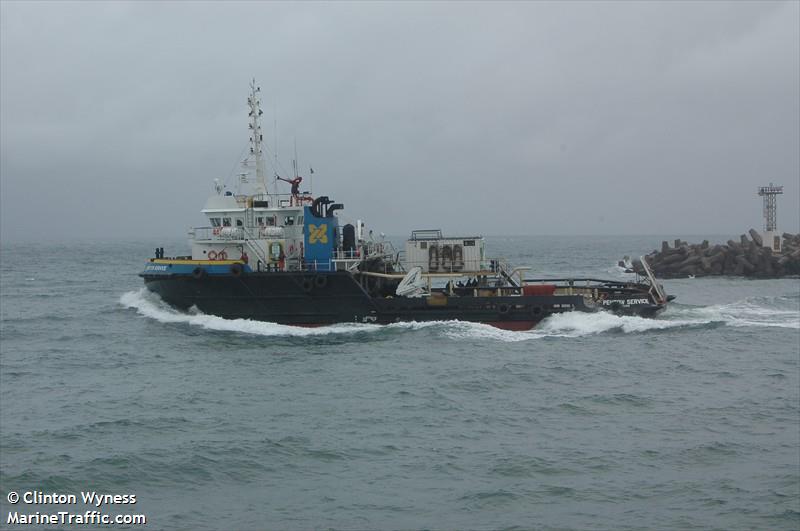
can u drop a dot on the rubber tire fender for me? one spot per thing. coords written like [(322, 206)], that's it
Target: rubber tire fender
[(308, 284)]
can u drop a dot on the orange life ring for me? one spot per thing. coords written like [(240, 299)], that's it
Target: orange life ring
[(222, 255), (212, 255), (216, 231)]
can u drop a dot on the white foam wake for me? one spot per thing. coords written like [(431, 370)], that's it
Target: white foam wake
[(150, 305), (570, 324), (573, 324)]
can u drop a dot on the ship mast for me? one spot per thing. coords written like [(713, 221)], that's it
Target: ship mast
[(256, 137)]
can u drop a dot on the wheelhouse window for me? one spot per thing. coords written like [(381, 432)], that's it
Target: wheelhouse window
[(215, 222), (260, 221), (239, 222), (270, 221), (289, 221), (226, 222)]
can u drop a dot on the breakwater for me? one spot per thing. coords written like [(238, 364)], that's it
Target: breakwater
[(747, 258)]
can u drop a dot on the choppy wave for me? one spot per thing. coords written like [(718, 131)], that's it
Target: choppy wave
[(780, 312), (747, 313)]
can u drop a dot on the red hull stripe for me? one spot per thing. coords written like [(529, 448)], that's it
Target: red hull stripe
[(516, 326)]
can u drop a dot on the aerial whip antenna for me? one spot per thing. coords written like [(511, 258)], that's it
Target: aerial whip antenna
[(275, 133), (294, 162)]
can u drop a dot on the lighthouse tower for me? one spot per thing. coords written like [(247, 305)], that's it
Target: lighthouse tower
[(770, 236)]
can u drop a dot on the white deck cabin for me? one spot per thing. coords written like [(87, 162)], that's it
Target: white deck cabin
[(271, 237)]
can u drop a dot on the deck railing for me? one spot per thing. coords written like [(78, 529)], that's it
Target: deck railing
[(274, 200), (393, 261)]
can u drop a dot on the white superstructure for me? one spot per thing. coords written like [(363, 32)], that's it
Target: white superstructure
[(266, 228)]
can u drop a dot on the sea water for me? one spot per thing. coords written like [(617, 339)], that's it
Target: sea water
[(590, 421)]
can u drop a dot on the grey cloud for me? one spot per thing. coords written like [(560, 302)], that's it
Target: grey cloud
[(522, 118)]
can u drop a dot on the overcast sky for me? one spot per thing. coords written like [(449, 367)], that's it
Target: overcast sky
[(497, 118)]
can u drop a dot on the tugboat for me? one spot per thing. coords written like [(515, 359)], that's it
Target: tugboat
[(285, 258)]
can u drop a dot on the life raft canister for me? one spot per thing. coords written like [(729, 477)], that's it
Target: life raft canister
[(433, 257), (458, 257), (446, 259)]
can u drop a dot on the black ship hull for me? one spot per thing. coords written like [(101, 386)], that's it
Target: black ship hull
[(316, 299)]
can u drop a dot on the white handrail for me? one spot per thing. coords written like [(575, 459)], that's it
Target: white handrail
[(662, 298)]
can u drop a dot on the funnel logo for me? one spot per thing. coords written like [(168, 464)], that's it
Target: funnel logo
[(317, 234)]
